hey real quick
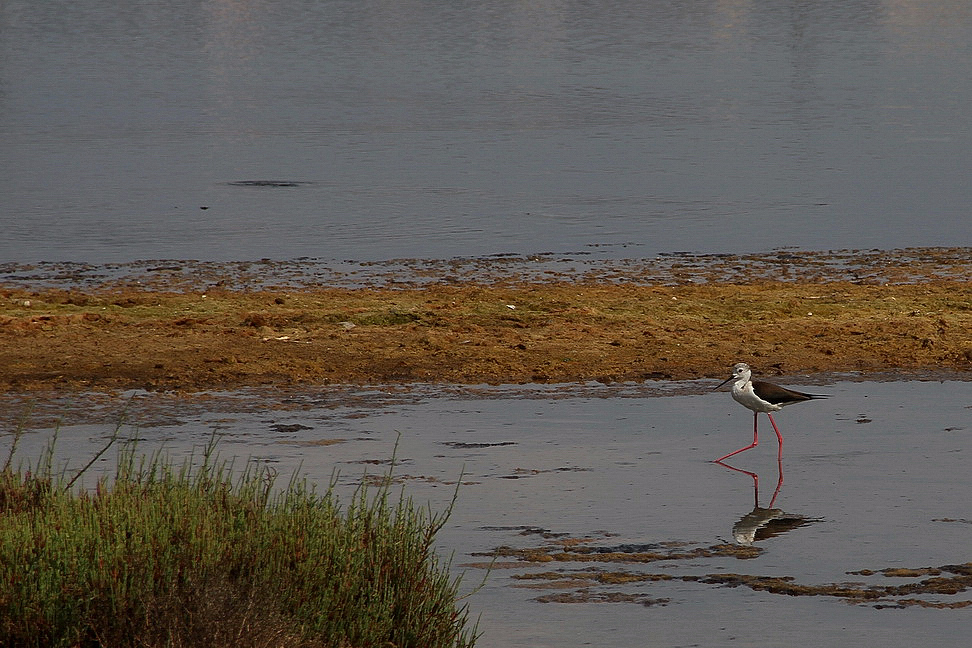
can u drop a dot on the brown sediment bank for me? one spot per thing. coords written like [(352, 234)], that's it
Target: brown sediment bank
[(118, 337)]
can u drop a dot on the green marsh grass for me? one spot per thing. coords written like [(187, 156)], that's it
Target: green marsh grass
[(205, 555)]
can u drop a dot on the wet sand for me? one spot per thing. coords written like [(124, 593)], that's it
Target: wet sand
[(178, 326)]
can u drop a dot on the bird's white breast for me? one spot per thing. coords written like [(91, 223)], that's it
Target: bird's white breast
[(742, 392)]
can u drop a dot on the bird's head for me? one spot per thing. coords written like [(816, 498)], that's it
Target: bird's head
[(740, 371)]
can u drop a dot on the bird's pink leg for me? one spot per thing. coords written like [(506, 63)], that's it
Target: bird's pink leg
[(779, 482), (755, 438), (778, 435)]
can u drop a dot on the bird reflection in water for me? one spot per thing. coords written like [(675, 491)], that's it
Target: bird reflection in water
[(762, 523)]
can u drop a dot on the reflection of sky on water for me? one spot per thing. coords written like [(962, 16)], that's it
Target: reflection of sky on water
[(443, 129)]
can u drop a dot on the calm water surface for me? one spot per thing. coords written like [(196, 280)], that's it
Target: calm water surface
[(880, 469), (442, 129)]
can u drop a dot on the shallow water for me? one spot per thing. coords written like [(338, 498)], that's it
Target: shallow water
[(397, 129), (878, 471)]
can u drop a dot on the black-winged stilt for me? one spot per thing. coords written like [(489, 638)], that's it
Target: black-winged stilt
[(761, 396)]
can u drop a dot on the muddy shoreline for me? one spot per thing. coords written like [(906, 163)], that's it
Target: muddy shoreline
[(909, 311)]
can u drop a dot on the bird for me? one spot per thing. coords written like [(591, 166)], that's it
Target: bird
[(760, 396)]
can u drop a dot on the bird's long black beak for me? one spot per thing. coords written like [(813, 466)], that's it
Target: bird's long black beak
[(723, 382)]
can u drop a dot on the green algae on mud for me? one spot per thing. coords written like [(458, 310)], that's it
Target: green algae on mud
[(930, 587), (473, 333)]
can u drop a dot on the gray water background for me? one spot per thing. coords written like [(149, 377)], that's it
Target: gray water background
[(440, 129), (621, 129)]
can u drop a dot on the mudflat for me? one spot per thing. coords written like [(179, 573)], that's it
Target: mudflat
[(191, 337)]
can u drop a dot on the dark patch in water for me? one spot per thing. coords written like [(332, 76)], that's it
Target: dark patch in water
[(459, 444), (288, 429), (527, 530), (267, 183)]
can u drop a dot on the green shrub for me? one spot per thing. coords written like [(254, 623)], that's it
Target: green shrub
[(205, 556)]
